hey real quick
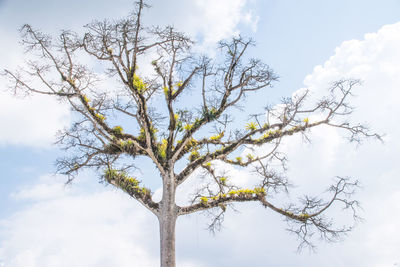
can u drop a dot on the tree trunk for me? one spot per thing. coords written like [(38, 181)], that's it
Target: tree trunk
[(167, 219), (167, 242)]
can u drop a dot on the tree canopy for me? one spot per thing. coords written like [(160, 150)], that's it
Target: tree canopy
[(130, 106)]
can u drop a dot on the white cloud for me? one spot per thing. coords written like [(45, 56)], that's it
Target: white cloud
[(375, 60), (220, 19), (41, 191), (89, 229), (70, 228), (374, 243), (33, 121), (207, 21)]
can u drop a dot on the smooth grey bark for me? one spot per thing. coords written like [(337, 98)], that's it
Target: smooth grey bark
[(167, 219)]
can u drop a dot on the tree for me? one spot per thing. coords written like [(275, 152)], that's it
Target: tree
[(113, 129)]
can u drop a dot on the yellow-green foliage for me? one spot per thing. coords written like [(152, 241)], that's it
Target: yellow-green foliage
[(100, 116), (138, 83), (210, 114), (126, 183), (238, 159), (86, 99), (305, 120), (142, 133), (197, 121), (223, 180), (265, 135), (194, 155), (217, 137), (259, 191), (178, 123), (191, 144), (178, 126), (118, 130), (232, 193), (204, 200), (247, 192), (188, 127), (219, 196), (132, 181), (110, 174), (270, 133), (251, 126), (165, 90), (126, 144), (162, 148), (293, 129), (179, 84), (304, 216), (250, 157)]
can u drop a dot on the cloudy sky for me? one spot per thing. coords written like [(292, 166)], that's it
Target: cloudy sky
[(308, 43)]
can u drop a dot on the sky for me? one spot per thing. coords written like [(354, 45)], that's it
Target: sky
[(309, 44)]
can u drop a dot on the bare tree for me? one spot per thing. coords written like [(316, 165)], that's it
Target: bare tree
[(113, 128)]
